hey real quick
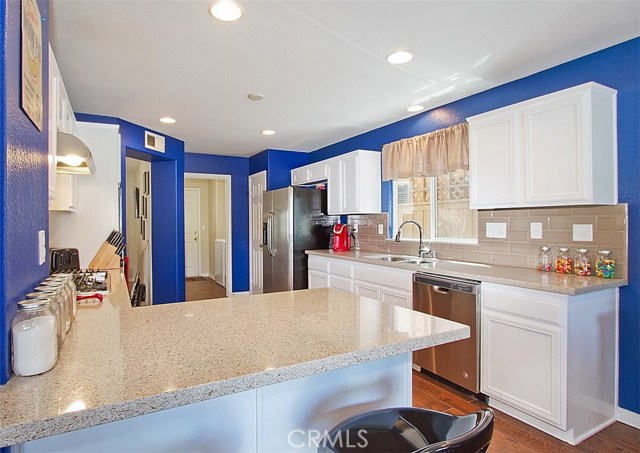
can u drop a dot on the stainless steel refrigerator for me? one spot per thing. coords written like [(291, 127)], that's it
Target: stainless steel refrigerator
[(293, 221)]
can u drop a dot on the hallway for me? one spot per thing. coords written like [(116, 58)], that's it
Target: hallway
[(202, 288)]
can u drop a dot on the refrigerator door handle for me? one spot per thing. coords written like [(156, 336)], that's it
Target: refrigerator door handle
[(270, 234)]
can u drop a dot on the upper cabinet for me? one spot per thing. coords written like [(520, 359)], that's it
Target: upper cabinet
[(558, 149), (62, 195), (353, 181)]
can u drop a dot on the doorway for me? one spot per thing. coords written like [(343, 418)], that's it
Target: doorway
[(207, 220), (138, 228), (257, 186)]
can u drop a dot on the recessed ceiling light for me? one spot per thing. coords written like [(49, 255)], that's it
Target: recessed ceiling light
[(415, 108), (225, 10), (268, 132), (167, 120), (255, 96), (399, 57)]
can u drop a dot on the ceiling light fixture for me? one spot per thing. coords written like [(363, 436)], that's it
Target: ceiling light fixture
[(400, 57), (415, 108), (267, 132), (167, 120), (225, 10)]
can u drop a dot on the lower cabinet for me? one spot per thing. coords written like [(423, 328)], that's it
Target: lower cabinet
[(381, 283), (549, 359)]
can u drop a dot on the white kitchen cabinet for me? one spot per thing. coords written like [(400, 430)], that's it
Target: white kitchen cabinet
[(380, 283), (353, 181), (54, 75), (549, 359), (66, 198), (554, 150)]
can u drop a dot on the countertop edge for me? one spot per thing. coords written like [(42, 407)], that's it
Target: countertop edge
[(604, 283), (86, 418)]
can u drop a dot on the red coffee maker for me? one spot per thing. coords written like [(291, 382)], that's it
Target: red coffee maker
[(341, 240)]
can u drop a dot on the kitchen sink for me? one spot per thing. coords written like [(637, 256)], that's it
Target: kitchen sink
[(403, 259)]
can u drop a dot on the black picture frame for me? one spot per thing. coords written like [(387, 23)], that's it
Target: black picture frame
[(147, 183), (136, 203), (144, 207), (142, 228)]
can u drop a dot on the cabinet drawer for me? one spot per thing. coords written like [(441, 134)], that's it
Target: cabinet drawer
[(342, 268), (345, 284), (317, 172), (318, 264), (539, 305), (384, 275)]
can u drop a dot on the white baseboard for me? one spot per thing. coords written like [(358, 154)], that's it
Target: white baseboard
[(211, 276), (240, 293), (628, 418)]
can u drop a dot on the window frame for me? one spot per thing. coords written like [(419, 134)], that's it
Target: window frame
[(433, 217)]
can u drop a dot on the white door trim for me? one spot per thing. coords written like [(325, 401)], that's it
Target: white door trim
[(252, 277), (198, 227), (227, 190)]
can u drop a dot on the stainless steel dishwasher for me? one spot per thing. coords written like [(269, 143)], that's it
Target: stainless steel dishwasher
[(457, 300)]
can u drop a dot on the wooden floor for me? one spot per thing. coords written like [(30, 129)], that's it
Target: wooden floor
[(513, 436), (201, 288)]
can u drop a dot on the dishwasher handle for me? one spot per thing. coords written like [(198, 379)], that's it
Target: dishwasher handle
[(445, 284), (440, 289)]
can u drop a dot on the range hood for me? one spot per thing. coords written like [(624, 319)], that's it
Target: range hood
[(73, 156)]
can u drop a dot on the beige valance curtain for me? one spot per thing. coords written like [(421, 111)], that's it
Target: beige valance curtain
[(432, 154)]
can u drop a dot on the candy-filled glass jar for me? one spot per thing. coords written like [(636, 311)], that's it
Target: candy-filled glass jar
[(544, 259), (605, 264), (564, 262), (582, 262)]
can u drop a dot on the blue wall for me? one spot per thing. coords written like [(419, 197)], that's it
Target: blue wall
[(24, 174), (617, 67), (167, 210), (238, 168), (278, 164)]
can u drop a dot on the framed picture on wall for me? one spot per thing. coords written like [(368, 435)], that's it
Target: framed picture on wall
[(142, 228), (144, 206), (136, 202), (147, 183)]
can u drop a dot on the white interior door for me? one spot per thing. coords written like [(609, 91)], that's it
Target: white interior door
[(257, 186), (191, 232)]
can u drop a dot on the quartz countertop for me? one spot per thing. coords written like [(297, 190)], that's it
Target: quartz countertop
[(119, 362), (568, 284)]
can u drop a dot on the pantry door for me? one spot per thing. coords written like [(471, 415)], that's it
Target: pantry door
[(191, 232)]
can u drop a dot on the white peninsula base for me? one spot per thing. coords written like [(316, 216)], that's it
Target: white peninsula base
[(289, 416)]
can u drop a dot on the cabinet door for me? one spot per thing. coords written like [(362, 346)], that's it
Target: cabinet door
[(556, 154), (299, 176), (494, 163), (343, 283), (318, 280), (66, 193), (54, 75), (335, 187), (521, 365), (396, 297), (317, 172), (367, 290), (350, 187)]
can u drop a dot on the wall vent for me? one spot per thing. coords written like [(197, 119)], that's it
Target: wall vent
[(153, 141)]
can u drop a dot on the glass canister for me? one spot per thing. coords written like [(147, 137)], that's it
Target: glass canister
[(544, 259), (68, 280), (605, 264), (582, 262), (56, 306), (66, 300), (564, 262), (34, 335)]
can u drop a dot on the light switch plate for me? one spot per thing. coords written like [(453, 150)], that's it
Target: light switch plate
[(583, 232), (42, 247), (536, 230), (496, 230)]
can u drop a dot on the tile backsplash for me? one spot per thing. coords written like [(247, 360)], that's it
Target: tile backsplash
[(517, 249)]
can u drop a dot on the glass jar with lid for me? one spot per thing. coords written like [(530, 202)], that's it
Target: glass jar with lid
[(582, 262), (605, 264), (34, 336), (564, 262), (56, 306), (68, 280), (544, 259), (64, 297)]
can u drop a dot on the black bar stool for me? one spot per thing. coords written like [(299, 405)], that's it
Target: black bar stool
[(409, 429)]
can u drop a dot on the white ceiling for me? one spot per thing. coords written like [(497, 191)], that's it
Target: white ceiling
[(319, 64)]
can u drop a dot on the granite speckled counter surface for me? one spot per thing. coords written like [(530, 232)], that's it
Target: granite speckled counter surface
[(504, 275), (119, 362)]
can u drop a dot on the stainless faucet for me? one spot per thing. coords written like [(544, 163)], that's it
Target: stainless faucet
[(423, 250)]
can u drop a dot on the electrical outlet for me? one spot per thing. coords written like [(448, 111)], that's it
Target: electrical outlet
[(42, 247), (583, 233), (354, 227), (536, 230), (496, 230), (380, 228)]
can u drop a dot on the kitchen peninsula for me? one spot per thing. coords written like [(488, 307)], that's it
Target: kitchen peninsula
[(239, 374)]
